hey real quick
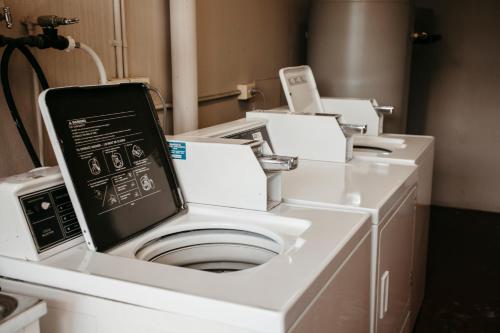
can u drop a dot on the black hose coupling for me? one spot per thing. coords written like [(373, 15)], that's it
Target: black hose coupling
[(49, 39)]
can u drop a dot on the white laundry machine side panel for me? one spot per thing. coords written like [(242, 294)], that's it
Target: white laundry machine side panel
[(79, 313), (394, 267), (424, 190), (31, 328), (344, 303)]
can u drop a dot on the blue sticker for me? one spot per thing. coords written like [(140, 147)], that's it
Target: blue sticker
[(177, 150)]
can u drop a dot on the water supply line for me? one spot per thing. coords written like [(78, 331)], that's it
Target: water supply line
[(48, 39), (100, 66), (39, 120), (4, 75)]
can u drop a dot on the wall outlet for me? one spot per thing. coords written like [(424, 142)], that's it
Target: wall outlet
[(245, 91)]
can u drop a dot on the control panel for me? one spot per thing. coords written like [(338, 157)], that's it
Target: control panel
[(259, 134), (38, 219), (50, 217)]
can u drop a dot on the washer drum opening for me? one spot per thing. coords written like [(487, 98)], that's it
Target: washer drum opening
[(212, 250), (364, 148), (7, 306)]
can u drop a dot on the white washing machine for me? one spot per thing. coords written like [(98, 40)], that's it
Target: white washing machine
[(386, 148), (292, 269), (150, 260), (400, 149), (302, 96), (411, 150), (20, 314), (386, 191)]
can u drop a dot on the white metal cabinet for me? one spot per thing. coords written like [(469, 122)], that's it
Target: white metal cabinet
[(395, 254), (344, 304)]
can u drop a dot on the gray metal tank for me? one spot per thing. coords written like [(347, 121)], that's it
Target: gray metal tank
[(362, 48)]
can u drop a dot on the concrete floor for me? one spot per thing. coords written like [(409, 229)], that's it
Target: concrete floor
[(463, 273)]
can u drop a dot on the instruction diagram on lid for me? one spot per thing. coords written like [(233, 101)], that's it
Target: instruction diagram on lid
[(147, 183), (117, 160), (122, 169), (137, 152), (94, 166)]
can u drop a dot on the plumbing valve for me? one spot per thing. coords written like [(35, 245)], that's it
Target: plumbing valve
[(6, 15), (50, 37), (52, 21)]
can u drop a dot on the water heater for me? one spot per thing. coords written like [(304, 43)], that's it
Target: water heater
[(362, 49)]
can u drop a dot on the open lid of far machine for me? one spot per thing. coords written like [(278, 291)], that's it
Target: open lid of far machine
[(113, 158), (300, 89)]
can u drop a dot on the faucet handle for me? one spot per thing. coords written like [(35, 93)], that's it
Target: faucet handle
[(385, 110), (6, 15), (350, 129)]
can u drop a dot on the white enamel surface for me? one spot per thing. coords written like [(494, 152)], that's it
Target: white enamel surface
[(300, 89), (305, 135), (372, 187), (266, 298), (225, 129), (408, 149), (381, 141), (355, 111), (224, 173)]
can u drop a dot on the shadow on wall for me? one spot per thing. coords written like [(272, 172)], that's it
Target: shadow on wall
[(424, 63)]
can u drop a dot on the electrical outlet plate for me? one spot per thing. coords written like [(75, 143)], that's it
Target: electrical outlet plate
[(245, 91)]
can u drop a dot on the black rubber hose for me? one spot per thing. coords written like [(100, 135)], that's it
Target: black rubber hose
[(4, 75)]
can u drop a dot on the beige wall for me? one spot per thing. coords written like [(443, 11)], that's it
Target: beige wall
[(239, 41), (244, 41), (61, 68), (455, 89)]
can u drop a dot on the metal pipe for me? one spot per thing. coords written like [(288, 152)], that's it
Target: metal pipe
[(124, 39), (117, 25), (39, 120), (207, 98), (184, 64), (214, 97)]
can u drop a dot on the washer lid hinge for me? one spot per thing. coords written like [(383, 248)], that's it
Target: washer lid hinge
[(181, 198)]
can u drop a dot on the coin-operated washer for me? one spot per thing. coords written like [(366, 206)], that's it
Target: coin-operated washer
[(302, 96), (386, 191), (400, 149), (149, 258)]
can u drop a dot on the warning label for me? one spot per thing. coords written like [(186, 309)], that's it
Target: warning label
[(177, 150)]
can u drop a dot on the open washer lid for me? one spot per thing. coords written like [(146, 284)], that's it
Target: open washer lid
[(300, 89), (113, 158)]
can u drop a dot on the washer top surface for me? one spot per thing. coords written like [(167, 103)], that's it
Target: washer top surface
[(373, 187), (18, 311), (271, 296), (392, 148)]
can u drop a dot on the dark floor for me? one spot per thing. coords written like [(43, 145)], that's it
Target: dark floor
[(463, 273)]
